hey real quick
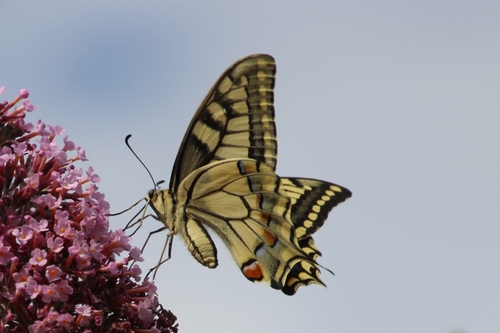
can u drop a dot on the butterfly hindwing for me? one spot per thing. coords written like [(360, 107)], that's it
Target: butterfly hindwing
[(235, 120), (244, 203), (312, 201)]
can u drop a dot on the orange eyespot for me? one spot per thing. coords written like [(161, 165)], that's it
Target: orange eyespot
[(252, 271)]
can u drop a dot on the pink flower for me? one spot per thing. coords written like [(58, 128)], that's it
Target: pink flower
[(5, 254), (58, 258), (81, 154), (63, 228), (28, 106), (35, 225), (49, 200), (38, 257), (19, 149), (135, 272), (21, 278), (81, 252), (52, 316), (68, 145), (40, 129), (39, 327), (95, 249), (92, 176), (64, 290), (58, 130), (50, 293), (113, 268), (24, 234), (6, 156), (55, 244), (145, 312), (32, 181), (66, 321), (119, 242), (135, 254), (32, 288), (53, 273), (84, 310)]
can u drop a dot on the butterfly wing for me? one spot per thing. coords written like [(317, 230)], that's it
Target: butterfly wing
[(244, 203), (235, 120), (311, 200)]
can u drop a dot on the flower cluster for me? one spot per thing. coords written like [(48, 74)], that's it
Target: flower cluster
[(60, 269)]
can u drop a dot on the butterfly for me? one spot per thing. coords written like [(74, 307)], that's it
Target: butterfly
[(224, 179)]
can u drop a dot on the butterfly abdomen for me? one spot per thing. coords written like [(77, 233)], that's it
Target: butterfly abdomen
[(199, 243)]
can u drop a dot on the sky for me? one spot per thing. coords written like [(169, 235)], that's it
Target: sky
[(396, 100)]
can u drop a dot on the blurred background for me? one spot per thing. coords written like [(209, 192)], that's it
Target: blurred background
[(396, 100)]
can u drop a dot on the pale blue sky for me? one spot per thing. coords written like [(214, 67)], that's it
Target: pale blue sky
[(398, 101)]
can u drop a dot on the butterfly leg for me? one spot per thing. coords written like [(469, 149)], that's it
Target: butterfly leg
[(130, 223), (168, 243), (139, 221), (143, 211), (127, 209)]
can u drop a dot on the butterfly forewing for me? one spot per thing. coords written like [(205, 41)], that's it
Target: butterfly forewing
[(235, 120)]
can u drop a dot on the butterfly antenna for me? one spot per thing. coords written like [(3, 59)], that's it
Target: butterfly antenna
[(144, 165)]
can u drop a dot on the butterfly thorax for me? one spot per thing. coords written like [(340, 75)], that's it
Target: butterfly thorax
[(163, 203)]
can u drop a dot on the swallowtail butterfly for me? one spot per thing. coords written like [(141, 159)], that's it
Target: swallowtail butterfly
[(224, 178)]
